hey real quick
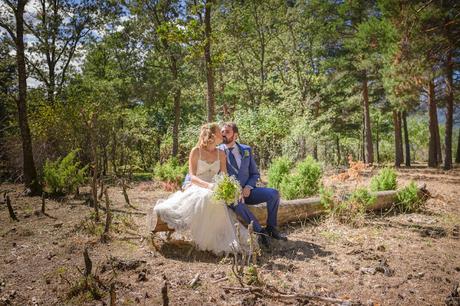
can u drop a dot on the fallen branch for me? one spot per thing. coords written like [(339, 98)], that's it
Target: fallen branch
[(264, 292), (220, 280), (124, 211)]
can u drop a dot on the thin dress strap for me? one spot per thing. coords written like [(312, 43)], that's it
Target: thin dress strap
[(199, 152)]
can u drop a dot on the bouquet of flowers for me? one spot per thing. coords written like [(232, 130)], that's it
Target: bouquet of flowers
[(226, 188)]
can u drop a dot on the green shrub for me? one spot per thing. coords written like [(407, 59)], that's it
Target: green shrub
[(64, 175), (142, 176), (278, 170), (408, 199), (354, 209), (303, 182), (170, 171), (327, 198), (363, 198), (384, 180)]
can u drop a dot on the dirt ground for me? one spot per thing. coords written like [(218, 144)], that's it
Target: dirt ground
[(394, 259)]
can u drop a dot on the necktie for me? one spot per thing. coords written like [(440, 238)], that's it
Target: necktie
[(232, 159)]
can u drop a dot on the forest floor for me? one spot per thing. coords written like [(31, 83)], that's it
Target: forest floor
[(41, 258)]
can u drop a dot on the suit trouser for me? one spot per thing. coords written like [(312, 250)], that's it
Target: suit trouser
[(259, 195)]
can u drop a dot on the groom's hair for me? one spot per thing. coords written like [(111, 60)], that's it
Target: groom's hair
[(231, 125)]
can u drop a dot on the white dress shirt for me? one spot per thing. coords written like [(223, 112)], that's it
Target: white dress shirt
[(237, 154)]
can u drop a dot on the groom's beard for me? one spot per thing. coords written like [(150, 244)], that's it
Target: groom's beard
[(225, 140)]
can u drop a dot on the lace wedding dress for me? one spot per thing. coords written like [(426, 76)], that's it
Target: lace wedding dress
[(211, 223)]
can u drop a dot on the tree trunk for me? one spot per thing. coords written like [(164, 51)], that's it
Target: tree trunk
[(406, 138), (362, 143), (457, 158), (377, 140), (337, 144), (177, 111), (208, 61), (30, 173), (450, 111), (315, 151), (177, 105), (438, 142), (367, 123), (398, 140), (432, 110), (52, 83), (95, 166), (401, 145)]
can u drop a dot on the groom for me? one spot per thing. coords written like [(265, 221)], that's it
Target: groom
[(241, 164)]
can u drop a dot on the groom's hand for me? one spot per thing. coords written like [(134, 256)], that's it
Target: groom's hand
[(246, 192)]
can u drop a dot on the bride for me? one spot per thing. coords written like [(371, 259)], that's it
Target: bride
[(210, 222)]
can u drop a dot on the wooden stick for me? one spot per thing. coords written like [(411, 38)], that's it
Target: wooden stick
[(101, 183), (125, 193), (113, 295), (108, 219), (164, 291), (88, 263), (195, 280), (124, 211), (282, 295), (10, 208), (43, 203)]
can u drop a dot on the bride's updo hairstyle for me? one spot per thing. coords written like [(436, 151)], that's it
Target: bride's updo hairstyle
[(207, 134)]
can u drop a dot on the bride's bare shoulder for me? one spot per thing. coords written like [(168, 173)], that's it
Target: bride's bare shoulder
[(194, 152)]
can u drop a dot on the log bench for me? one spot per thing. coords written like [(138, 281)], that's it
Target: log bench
[(301, 209)]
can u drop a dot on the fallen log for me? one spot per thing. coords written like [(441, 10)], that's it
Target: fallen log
[(299, 209)]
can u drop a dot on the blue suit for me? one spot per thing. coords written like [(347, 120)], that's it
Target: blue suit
[(247, 175)]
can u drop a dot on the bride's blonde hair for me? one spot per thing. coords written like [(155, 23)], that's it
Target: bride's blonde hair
[(207, 134)]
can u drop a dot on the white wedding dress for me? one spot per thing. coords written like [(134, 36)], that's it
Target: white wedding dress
[(211, 223)]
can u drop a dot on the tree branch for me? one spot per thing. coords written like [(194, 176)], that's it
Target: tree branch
[(39, 72), (8, 29)]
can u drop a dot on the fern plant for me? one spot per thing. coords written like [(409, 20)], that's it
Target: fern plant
[(408, 199), (63, 176), (384, 180)]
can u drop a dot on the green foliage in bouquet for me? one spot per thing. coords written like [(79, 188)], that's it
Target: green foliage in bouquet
[(304, 182), (227, 189), (63, 176), (170, 171), (384, 180), (278, 170), (408, 199)]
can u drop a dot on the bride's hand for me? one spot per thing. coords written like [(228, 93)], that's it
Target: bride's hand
[(211, 186)]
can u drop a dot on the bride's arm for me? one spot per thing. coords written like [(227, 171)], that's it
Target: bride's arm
[(192, 166), (223, 162)]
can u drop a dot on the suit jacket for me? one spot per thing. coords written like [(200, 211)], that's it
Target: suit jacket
[(247, 174)]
